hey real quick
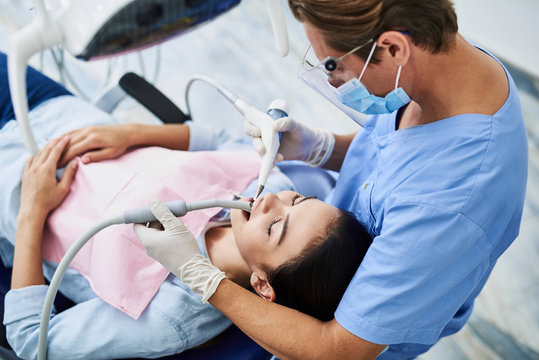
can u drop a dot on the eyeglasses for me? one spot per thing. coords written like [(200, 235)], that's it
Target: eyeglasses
[(329, 64)]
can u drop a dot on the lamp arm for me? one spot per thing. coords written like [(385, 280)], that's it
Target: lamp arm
[(39, 35), (278, 23)]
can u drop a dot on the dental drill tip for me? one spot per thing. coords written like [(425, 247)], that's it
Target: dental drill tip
[(259, 191)]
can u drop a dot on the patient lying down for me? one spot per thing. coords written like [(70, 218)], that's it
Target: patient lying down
[(295, 250)]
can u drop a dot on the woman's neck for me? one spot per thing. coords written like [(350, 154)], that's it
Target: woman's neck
[(223, 253)]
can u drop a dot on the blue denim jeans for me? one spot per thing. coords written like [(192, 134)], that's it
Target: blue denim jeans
[(39, 88)]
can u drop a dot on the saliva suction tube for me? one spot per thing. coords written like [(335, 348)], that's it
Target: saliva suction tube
[(135, 216)]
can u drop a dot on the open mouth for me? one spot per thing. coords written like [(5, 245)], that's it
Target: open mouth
[(247, 214)]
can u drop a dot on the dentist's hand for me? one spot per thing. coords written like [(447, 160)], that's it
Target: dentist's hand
[(299, 141), (177, 250)]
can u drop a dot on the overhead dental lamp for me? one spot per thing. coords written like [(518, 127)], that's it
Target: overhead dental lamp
[(101, 28)]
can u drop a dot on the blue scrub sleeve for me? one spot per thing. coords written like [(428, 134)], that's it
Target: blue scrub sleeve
[(39, 88), (415, 276)]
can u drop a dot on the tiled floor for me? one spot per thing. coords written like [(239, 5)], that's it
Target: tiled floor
[(237, 50)]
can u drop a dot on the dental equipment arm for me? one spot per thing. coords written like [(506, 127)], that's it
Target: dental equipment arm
[(39, 35), (137, 216), (278, 24), (262, 122)]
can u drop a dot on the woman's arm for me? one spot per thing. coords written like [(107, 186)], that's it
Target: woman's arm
[(154, 334), (342, 142), (40, 193), (96, 143), (287, 333)]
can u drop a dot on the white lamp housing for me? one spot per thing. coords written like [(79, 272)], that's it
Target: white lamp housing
[(99, 28)]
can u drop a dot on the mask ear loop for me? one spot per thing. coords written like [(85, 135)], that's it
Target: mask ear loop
[(368, 60), (398, 77)]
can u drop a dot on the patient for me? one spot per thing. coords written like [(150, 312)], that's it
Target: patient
[(307, 269)]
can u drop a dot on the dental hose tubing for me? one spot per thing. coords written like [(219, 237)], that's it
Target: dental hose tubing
[(138, 215)]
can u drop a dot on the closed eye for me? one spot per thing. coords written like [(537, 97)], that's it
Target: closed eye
[(273, 222)]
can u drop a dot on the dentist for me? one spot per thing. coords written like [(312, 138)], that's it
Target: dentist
[(437, 174)]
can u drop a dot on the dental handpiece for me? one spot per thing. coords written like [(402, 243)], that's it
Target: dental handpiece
[(180, 208), (270, 138)]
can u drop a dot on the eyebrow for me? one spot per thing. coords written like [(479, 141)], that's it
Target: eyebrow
[(285, 224)]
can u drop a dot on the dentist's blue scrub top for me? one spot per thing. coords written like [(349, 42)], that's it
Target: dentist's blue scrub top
[(442, 201)]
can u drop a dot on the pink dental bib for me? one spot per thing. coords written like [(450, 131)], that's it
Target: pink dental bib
[(114, 261)]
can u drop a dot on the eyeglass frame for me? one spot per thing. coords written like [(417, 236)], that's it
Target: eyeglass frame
[(330, 63)]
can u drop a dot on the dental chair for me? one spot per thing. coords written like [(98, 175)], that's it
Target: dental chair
[(232, 344)]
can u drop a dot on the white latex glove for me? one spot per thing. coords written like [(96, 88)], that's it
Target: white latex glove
[(177, 250), (299, 141)]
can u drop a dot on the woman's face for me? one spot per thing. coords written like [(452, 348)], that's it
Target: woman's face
[(279, 227)]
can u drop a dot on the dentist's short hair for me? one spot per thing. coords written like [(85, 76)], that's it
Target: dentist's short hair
[(431, 24)]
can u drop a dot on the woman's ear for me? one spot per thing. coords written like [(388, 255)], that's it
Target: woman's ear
[(397, 45), (260, 283)]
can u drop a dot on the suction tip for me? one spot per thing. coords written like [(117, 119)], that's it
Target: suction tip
[(259, 191)]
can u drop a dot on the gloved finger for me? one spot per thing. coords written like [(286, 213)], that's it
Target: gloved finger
[(163, 214), (284, 124), (259, 147), (145, 235), (251, 129)]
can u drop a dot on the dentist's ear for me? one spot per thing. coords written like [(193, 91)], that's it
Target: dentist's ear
[(260, 283), (397, 44)]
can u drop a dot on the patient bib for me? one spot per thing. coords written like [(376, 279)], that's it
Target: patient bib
[(114, 261)]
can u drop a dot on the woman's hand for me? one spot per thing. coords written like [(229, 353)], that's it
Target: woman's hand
[(96, 143), (41, 192)]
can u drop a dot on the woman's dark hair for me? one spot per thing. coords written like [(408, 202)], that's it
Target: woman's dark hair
[(314, 281)]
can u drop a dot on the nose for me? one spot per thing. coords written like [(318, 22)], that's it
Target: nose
[(270, 202), (335, 81)]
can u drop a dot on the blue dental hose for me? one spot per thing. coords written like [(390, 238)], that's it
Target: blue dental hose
[(135, 216)]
